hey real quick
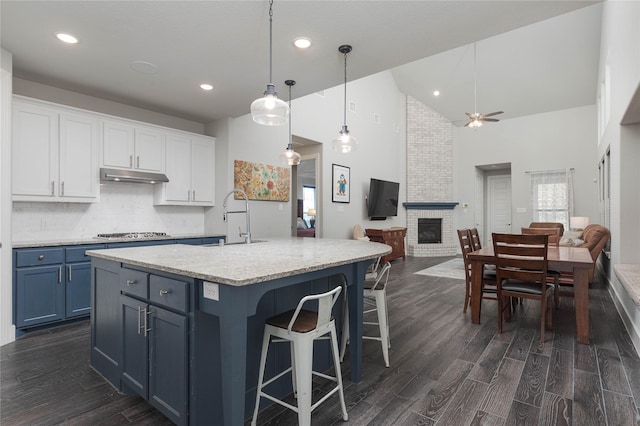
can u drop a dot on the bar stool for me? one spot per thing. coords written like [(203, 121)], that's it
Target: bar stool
[(300, 328), (375, 297)]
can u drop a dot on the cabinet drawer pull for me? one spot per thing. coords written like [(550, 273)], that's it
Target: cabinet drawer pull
[(41, 257), (164, 292), (131, 282)]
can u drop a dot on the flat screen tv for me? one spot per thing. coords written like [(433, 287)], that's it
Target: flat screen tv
[(383, 199)]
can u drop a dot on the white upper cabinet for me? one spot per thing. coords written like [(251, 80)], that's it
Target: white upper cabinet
[(128, 146), (55, 154), (190, 162)]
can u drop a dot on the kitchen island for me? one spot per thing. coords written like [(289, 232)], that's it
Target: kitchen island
[(182, 325)]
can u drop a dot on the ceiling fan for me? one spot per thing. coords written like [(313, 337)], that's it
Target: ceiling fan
[(476, 119)]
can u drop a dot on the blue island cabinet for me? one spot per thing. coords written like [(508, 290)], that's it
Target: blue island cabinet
[(153, 335)]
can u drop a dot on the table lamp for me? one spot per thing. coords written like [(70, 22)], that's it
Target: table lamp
[(578, 223), (312, 215)]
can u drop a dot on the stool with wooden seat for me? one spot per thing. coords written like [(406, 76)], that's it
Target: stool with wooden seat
[(301, 327), (375, 297)]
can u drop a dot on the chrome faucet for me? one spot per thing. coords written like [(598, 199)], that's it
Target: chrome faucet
[(246, 235)]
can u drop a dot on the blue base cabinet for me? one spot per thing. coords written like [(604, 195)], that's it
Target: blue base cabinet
[(144, 347), (53, 284)]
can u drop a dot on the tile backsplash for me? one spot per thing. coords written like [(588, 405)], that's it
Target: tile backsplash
[(123, 207)]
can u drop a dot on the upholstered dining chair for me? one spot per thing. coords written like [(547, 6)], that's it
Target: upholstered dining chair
[(521, 269), (488, 277)]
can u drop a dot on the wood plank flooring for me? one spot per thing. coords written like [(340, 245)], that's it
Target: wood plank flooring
[(444, 370)]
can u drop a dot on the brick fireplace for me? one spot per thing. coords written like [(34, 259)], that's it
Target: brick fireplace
[(429, 179)]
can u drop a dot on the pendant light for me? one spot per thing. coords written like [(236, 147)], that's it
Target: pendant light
[(289, 157), (269, 110), (345, 142)]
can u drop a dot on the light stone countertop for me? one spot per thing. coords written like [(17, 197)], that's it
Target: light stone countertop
[(243, 264), (92, 240)]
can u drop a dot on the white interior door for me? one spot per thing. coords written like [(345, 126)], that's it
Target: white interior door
[(499, 194)]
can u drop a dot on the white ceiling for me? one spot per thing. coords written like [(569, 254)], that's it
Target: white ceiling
[(525, 69)]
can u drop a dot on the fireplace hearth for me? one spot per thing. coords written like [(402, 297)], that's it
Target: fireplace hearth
[(430, 231)]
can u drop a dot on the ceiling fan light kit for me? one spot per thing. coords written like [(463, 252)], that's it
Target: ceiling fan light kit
[(269, 110), (345, 142), (476, 119)]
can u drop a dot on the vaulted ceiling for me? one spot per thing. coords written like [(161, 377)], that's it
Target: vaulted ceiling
[(532, 56)]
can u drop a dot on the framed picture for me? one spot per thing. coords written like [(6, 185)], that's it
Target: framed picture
[(341, 180)]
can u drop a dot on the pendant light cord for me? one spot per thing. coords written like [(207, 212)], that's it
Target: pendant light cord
[(270, 41), (290, 135), (345, 89)]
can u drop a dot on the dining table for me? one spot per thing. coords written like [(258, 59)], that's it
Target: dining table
[(576, 260)]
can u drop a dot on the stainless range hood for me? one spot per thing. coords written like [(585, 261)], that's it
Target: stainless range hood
[(136, 176)]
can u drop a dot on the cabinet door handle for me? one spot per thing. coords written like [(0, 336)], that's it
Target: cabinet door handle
[(131, 282), (59, 274), (69, 273), (164, 292), (130, 160), (53, 187), (146, 312), (139, 320), (41, 257), (137, 162), (194, 195), (62, 188), (188, 195)]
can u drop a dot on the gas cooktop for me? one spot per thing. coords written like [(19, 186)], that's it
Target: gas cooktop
[(131, 235)]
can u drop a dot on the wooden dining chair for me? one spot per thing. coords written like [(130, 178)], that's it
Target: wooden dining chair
[(555, 235), (521, 268), (488, 278)]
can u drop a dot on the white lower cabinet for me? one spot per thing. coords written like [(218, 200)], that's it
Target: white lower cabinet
[(190, 162), (55, 154)]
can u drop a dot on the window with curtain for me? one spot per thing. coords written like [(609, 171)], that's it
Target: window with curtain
[(552, 196)]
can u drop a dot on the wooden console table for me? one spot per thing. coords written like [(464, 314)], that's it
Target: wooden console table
[(393, 237)]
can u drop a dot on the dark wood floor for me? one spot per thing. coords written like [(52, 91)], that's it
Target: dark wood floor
[(444, 370)]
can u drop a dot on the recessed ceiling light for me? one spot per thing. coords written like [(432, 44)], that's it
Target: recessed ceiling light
[(206, 86), (144, 67), (302, 42), (436, 93), (67, 38)]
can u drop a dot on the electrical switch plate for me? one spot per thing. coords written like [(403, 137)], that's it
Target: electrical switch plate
[(210, 290)]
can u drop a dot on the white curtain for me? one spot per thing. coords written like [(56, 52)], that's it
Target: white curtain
[(552, 196)]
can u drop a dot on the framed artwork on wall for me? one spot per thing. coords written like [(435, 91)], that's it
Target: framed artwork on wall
[(262, 182), (341, 180)]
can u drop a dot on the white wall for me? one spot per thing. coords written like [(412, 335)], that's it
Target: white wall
[(554, 140), (7, 330), (620, 54), (381, 154)]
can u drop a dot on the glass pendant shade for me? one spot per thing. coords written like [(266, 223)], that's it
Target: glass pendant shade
[(345, 142), (289, 157), (269, 110)]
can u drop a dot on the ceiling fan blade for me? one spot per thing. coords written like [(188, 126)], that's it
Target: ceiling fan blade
[(492, 113), (489, 119), (471, 115), (469, 122)]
